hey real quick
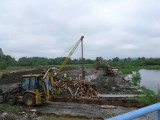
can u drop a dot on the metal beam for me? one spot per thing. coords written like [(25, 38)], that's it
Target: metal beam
[(69, 55), (82, 60)]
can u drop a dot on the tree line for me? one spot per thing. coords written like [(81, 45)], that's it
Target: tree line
[(35, 61), (8, 61), (140, 61), (126, 63)]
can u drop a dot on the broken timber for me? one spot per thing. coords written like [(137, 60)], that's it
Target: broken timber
[(76, 89)]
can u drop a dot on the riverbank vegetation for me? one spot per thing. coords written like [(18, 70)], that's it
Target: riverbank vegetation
[(148, 96), (135, 79)]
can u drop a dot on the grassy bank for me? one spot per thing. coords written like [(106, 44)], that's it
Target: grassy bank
[(149, 96), (10, 108)]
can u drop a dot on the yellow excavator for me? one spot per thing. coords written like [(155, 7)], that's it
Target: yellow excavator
[(34, 89), (100, 63)]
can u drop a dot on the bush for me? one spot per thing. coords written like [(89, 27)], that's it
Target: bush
[(149, 96), (3, 65), (135, 80)]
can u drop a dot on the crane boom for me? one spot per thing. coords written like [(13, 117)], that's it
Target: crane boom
[(69, 55)]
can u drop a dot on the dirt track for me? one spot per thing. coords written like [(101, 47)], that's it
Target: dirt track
[(81, 110)]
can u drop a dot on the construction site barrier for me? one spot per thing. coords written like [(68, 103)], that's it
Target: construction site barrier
[(138, 113)]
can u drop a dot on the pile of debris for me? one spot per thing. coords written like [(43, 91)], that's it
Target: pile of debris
[(14, 77), (114, 84), (75, 89)]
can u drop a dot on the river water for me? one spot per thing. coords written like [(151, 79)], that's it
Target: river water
[(150, 79)]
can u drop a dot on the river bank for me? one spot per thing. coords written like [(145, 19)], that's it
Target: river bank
[(148, 82)]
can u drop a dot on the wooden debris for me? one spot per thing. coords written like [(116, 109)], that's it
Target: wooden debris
[(76, 88)]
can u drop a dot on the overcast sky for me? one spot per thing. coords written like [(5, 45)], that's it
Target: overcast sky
[(50, 28)]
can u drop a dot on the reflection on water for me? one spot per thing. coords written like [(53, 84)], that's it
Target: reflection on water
[(150, 79)]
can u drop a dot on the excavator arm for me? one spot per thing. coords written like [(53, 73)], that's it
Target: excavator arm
[(69, 55), (47, 81), (49, 73)]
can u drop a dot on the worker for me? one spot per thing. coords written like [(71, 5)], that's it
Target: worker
[(65, 76), (70, 78)]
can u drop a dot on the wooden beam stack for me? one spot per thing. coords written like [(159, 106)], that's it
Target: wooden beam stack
[(76, 88)]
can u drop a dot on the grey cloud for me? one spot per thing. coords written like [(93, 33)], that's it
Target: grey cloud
[(49, 28)]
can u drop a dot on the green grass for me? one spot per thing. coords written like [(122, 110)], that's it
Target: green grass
[(129, 69), (136, 79), (149, 96), (11, 108)]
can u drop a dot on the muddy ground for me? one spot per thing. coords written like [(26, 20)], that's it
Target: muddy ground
[(106, 85), (14, 77), (114, 84), (73, 110), (82, 110), (7, 115)]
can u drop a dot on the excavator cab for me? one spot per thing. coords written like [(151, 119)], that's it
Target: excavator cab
[(30, 90), (34, 88), (32, 83)]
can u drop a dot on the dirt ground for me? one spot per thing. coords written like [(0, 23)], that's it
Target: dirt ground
[(92, 112), (7, 115), (115, 84), (14, 77), (105, 85), (82, 110), (73, 110)]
